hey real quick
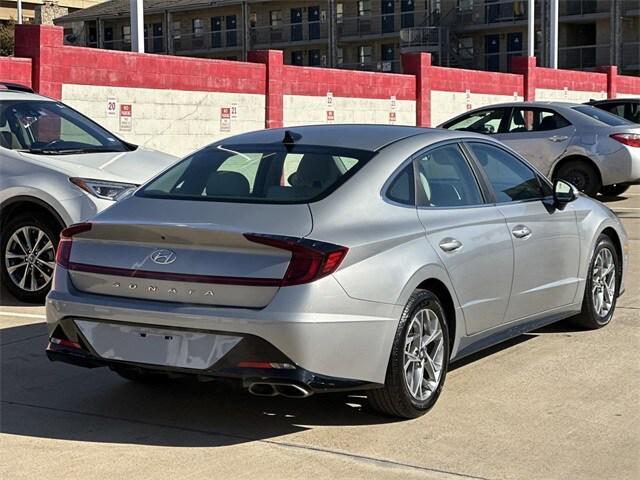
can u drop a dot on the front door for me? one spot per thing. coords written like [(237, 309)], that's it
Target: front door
[(492, 52), (538, 134), (296, 24), (216, 32), (157, 37), (514, 47), (232, 31), (314, 23), (546, 243), (388, 18), (469, 235), (407, 7)]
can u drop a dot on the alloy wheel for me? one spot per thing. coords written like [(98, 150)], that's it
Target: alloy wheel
[(29, 258), (603, 282), (423, 354)]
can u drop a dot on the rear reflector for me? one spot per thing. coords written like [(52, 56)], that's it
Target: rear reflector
[(310, 260), (629, 139), (64, 343), (277, 366), (64, 246)]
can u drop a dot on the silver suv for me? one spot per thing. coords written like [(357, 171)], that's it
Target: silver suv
[(57, 167)]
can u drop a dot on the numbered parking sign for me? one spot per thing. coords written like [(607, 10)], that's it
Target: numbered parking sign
[(112, 106)]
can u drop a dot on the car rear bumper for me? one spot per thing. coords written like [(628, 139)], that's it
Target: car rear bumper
[(316, 327), (621, 167)]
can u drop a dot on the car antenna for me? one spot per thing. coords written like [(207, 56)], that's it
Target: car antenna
[(290, 139)]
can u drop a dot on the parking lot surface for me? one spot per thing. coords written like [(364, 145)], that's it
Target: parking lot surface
[(554, 404)]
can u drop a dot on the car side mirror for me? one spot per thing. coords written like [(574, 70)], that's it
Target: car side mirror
[(563, 193)]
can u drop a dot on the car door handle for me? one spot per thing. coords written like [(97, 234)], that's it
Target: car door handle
[(558, 138), (450, 244), (521, 231)]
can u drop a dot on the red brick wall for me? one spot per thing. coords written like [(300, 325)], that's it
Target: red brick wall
[(460, 80), (17, 70), (627, 85), (574, 80)]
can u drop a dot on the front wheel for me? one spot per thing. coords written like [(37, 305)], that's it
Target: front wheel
[(601, 290), (419, 360), (28, 245)]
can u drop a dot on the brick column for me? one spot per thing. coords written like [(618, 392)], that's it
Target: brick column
[(526, 66), (273, 60), (419, 65), (43, 45), (612, 80)]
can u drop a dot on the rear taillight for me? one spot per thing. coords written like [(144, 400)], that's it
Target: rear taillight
[(310, 260), (64, 246), (629, 139)]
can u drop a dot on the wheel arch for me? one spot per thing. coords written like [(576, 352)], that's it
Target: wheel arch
[(574, 157), (442, 292), (617, 243), (29, 203)]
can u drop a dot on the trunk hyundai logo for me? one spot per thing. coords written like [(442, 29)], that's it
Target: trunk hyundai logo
[(163, 256)]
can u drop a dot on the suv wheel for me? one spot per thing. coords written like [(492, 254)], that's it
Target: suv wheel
[(582, 175), (28, 247), (613, 190), (419, 360)]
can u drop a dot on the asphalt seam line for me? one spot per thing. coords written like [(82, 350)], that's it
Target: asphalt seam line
[(387, 463)]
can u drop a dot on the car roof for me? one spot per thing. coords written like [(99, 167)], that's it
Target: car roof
[(358, 136), (613, 100), (19, 95)]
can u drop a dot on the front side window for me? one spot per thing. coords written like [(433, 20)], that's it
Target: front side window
[(275, 18), (445, 179), (52, 128), (511, 179), (364, 7), (258, 174), (484, 121), (535, 120)]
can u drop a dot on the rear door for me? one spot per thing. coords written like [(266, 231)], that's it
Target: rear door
[(538, 134), (469, 235), (546, 242)]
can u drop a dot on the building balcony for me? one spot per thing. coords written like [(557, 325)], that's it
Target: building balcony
[(421, 39), (289, 34), (369, 26)]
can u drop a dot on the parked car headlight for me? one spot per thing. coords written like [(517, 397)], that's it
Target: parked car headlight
[(102, 189)]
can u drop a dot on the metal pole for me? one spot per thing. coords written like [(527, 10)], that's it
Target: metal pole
[(553, 34), (532, 29), (137, 26), (19, 11)]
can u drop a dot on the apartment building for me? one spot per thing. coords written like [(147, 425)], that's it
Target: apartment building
[(371, 34), (9, 8)]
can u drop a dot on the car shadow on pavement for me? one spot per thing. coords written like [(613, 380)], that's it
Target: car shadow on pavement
[(58, 401)]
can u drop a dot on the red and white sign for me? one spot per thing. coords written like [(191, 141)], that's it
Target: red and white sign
[(329, 99), (392, 117), (225, 119), (234, 111), (467, 94), (126, 117), (393, 102), (112, 106), (330, 116)]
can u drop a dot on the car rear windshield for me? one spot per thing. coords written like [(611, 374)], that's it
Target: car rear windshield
[(258, 174), (602, 116)]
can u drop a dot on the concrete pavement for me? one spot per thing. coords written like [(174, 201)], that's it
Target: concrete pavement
[(554, 404)]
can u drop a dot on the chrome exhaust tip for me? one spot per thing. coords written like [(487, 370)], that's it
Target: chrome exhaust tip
[(291, 390), (262, 390)]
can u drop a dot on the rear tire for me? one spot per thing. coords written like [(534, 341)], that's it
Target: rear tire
[(601, 289), (613, 190), (407, 393), (581, 175), (26, 268)]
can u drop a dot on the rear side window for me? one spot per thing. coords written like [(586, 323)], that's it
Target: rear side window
[(535, 120), (602, 116), (401, 189), (258, 174)]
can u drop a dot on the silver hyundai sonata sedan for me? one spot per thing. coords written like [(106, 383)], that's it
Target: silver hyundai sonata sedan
[(330, 258)]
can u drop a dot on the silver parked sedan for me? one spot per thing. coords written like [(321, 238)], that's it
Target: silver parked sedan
[(594, 150), (332, 258)]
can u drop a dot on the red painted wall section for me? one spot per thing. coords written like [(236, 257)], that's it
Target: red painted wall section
[(273, 61), (419, 65), (555, 79), (16, 70), (315, 81), (526, 68), (461, 80), (627, 85), (56, 64)]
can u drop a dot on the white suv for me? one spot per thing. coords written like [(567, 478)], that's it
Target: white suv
[(57, 167)]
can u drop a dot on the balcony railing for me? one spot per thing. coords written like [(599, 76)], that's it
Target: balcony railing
[(420, 37), (388, 66), (381, 25), (471, 12), (584, 57), (207, 40), (583, 7), (289, 33)]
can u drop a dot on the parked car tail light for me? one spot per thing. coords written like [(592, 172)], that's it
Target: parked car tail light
[(64, 246), (310, 260), (630, 139)]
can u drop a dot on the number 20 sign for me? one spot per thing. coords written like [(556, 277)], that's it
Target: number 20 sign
[(111, 107)]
